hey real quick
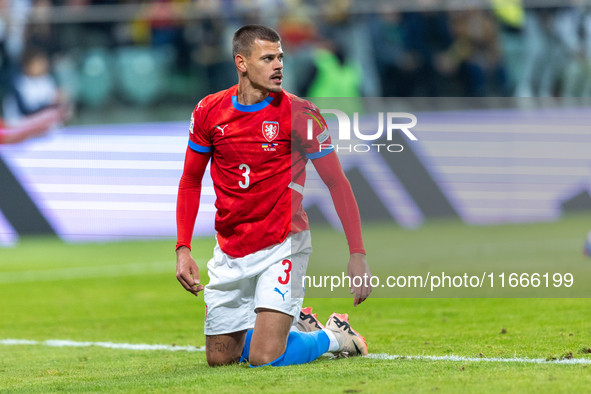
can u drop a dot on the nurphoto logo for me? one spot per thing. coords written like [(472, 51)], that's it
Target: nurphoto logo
[(344, 124)]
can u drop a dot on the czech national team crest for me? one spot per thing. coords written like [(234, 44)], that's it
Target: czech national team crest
[(270, 130)]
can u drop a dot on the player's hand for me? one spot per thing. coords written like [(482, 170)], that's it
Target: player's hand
[(358, 267), (187, 272)]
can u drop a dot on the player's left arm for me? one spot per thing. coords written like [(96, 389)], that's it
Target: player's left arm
[(330, 171)]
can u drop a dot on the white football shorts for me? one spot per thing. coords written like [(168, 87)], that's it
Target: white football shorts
[(239, 286)]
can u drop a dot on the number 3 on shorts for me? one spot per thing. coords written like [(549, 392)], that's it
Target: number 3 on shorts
[(287, 271)]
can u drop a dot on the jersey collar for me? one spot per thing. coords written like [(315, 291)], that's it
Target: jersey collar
[(253, 107)]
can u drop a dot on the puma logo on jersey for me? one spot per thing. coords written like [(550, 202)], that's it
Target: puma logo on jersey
[(221, 128), (282, 294)]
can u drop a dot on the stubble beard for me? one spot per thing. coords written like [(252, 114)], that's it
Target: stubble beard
[(275, 89)]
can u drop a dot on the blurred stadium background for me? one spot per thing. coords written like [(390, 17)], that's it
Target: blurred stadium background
[(115, 58)]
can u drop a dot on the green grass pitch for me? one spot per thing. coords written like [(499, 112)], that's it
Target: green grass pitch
[(127, 293)]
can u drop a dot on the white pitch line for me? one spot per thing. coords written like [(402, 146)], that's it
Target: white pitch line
[(108, 345), (140, 346), (525, 360)]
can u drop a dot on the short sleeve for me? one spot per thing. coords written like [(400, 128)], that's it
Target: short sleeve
[(310, 130), (199, 137)]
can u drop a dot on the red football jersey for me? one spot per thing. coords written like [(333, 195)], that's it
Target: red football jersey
[(254, 169)]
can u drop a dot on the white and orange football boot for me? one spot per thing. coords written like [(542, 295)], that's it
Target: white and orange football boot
[(350, 342), (308, 321)]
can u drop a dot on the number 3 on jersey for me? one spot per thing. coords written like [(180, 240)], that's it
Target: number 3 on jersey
[(246, 170)]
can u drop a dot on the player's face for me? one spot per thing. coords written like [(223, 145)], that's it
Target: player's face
[(265, 65)]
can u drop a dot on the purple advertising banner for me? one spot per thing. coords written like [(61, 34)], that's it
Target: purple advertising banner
[(112, 182)]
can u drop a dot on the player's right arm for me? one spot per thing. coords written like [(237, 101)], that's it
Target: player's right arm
[(196, 159), (186, 212)]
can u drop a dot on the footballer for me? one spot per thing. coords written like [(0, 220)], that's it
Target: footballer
[(262, 233)]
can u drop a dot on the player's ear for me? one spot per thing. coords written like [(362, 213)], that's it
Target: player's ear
[(240, 62)]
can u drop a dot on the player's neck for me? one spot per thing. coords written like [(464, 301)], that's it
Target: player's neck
[(248, 94)]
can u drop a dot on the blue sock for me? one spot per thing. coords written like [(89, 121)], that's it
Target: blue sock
[(302, 347), (246, 350)]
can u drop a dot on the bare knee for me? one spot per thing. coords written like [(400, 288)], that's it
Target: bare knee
[(224, 349), (217, 359), (260, 357), (269, 338)]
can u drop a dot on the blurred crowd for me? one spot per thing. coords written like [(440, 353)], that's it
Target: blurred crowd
[(180, 50)]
